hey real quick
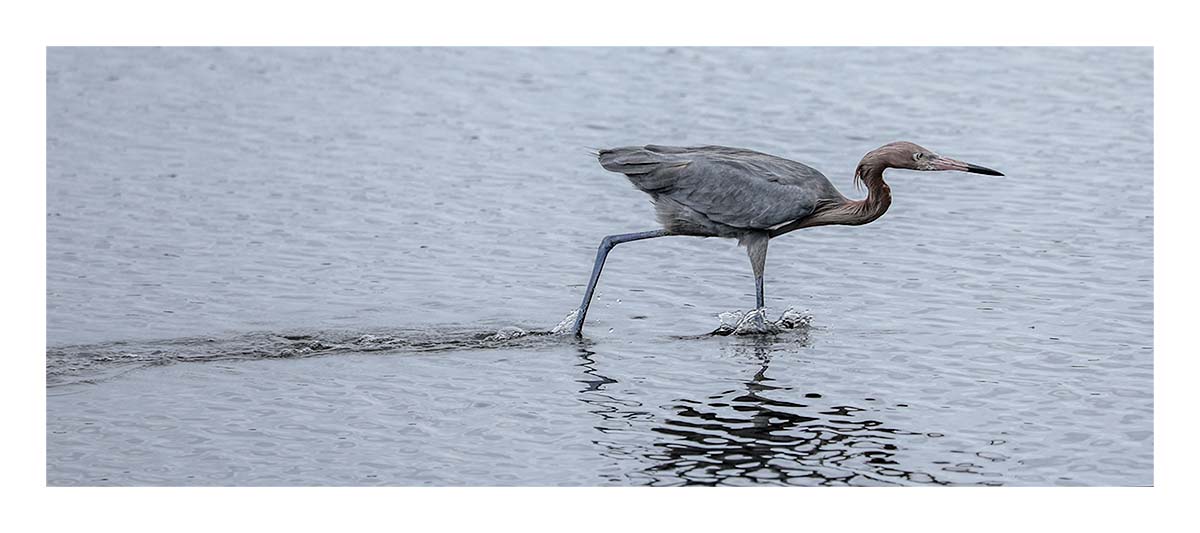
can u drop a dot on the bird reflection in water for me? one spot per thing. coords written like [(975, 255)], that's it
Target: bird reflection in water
[(746, 436)]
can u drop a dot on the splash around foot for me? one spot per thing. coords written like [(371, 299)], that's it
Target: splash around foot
[(755, 322)]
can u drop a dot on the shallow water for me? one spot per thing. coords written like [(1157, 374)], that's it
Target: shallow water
[(337, 267)]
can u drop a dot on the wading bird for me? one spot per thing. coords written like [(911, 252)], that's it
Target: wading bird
[(717, 191)]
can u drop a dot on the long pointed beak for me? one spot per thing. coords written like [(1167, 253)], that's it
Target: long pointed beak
[(945, 163)]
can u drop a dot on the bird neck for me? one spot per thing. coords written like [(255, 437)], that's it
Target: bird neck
[(879, 196), (846, 212)]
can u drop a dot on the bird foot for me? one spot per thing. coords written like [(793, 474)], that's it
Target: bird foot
[(760, 318)]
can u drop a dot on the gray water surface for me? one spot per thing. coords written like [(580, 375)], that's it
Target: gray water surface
[(341, 267)]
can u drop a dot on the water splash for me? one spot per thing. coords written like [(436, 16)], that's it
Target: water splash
[(98, 362), (89, 363), (507, 333), (755, 322), (566, 324)]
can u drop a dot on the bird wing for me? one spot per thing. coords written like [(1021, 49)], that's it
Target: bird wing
[(732, 186)]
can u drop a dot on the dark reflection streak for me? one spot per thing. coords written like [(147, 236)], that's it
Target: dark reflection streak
[(588, 364), (615, 413), (773, 445), (744, 435)]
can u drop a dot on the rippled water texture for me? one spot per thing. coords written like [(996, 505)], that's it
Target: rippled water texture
[(343, 267)]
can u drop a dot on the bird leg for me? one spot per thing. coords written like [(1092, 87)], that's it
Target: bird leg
[(756, 248), (605, 246)]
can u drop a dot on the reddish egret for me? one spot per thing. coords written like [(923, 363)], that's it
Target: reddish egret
[(716, 191)]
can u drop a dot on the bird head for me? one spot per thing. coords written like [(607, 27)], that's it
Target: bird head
[(903, 154)]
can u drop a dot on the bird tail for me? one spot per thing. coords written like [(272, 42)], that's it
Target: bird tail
[(630, 160)]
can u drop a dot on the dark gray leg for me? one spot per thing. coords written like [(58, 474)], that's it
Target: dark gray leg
[(602, 254), (756, 248)]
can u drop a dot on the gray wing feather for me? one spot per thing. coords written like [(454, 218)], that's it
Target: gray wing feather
[(731, 186)]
